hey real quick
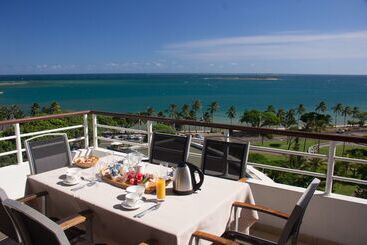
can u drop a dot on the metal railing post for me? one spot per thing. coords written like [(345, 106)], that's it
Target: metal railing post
[(95, 131), (86, 131), (330, 168), (18, 143), (150, 134), (226, 134)]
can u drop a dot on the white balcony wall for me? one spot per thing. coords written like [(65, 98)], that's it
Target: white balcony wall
[(336, 218)]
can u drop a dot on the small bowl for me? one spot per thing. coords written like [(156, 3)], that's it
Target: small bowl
[(138, 189)]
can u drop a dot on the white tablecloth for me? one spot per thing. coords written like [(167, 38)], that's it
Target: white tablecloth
[(210, 209)]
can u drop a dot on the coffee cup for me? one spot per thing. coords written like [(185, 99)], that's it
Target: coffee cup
[(132, 199), (138, 189), (72, 175)]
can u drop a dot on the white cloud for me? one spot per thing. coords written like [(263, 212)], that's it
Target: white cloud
[(286, 45)]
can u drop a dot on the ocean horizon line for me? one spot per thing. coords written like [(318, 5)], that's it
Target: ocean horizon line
[(183, 73)]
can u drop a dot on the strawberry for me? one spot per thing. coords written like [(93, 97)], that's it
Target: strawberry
[(139, 178), (132, 181), (131, 174)]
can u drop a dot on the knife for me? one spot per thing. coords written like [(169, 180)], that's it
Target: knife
[(155, 207)]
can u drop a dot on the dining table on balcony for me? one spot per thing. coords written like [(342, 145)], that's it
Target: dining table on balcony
[(209, 209)]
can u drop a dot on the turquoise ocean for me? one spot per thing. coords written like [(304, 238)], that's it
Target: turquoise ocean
[(137, 92)]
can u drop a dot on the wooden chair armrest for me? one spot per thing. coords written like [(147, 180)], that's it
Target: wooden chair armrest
[(261, 209), (75, 220), (243, 180), (32, 197), (149, 242), (213, 238)]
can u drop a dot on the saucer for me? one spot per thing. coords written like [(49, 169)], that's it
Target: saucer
[(71, 183), (136, 206)]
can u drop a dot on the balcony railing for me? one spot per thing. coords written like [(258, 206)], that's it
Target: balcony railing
[(331, 157)]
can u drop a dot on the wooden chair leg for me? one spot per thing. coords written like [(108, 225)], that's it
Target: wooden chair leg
[(89, 230)]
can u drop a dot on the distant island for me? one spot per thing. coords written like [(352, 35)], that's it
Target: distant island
[(12, 83), (244, 78)]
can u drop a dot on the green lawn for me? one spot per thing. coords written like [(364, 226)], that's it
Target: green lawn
[(339, 149), (280, 144), (283, 161)]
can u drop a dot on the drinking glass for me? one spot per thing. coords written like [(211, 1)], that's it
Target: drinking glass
[(161, 182), (160, 189), (164, 170)]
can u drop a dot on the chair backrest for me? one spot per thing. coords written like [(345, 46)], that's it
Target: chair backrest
[(48, 152), (225, 159), (34, 227), (6, 225), (169, 148), (291, 228)]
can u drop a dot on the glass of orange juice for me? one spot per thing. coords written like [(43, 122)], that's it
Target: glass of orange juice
[(161, 188), (161, 182)]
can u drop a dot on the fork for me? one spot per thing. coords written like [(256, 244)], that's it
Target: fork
[(155, 207)]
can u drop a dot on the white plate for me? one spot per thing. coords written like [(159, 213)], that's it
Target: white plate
[(71, 183), (137, 205)]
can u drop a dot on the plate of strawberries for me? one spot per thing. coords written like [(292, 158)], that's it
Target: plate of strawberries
[(119, 176)]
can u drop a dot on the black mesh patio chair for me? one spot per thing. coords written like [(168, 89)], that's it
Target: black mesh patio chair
[(35, 228), (6, 225), (169, 148), (290, 230), (225, 159), (48, 152)]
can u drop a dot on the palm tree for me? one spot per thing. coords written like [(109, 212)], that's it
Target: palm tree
[(185, 111), (345, 113), (290, 118), (301, 109), (270, 108), (161, 114), (35, 109), (321, 107), (150, 111), (281, 115), (196, 106), (55, 108), (172, 111), (337, 109), (213, 107), (206, 118), (11, 112), (355, 111), (231, 113)]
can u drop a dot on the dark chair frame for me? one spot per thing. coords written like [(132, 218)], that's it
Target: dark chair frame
[(227, 144), (12, 233), (58, 229), (290, 230), (186, 146), (29, 150)]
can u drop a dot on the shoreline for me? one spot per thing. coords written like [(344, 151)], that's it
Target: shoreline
[(12, 83)]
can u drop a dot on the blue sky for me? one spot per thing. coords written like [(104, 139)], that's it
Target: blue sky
[(238, 36)]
